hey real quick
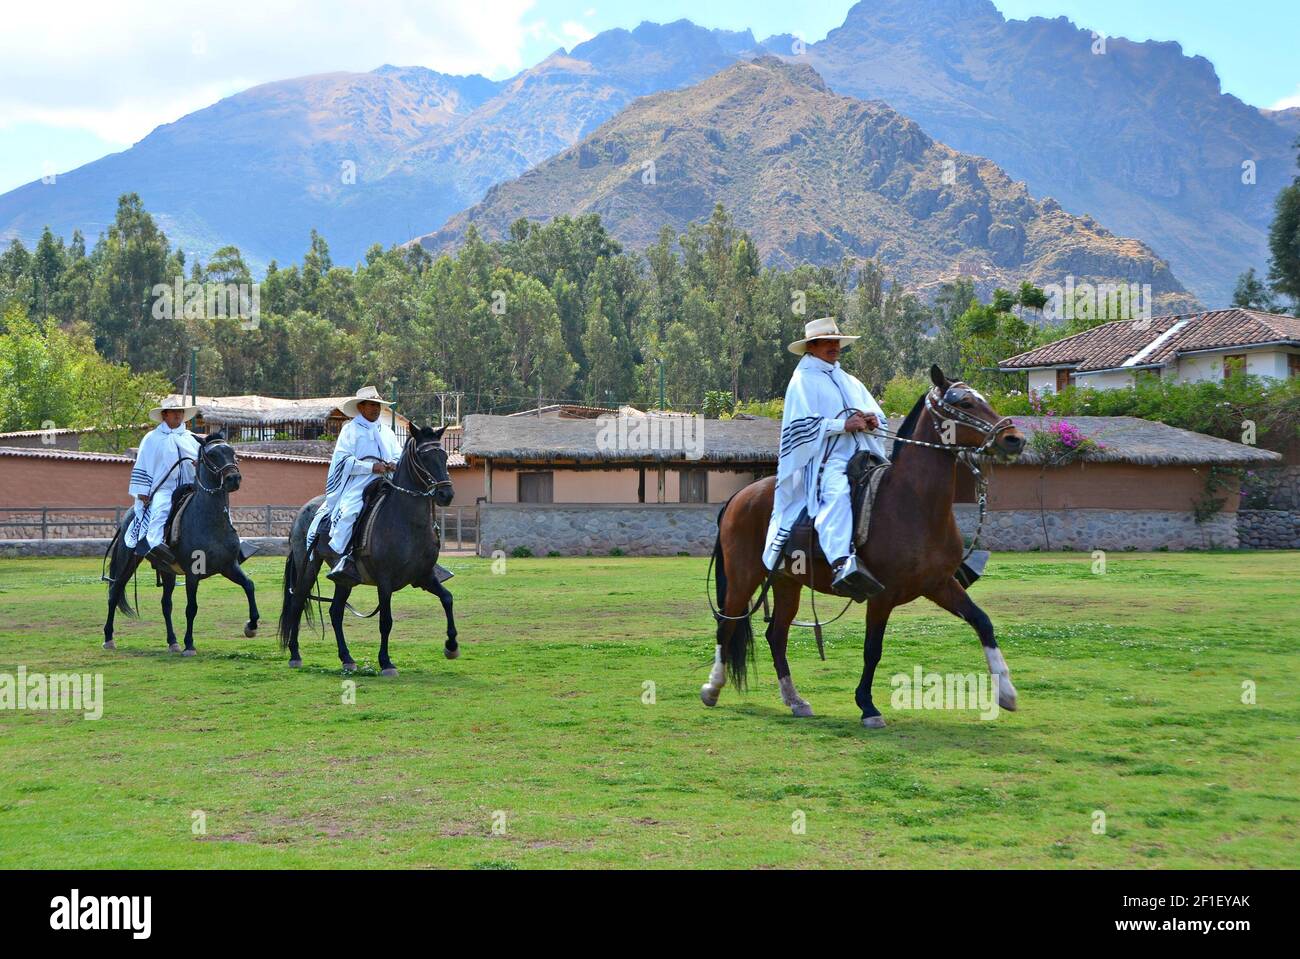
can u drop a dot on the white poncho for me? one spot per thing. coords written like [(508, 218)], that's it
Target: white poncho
[(159, 451), (819, 399), (350, 473)]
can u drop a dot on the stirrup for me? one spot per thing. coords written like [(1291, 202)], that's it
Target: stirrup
[(852, 579)]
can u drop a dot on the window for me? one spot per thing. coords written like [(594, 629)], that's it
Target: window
[(694, 486), (1062, 379), (1236, 363), (1293, 364), (536, 487)]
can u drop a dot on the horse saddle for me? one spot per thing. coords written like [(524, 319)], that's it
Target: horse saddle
[(371, 499), (181, 499), (865, 470)]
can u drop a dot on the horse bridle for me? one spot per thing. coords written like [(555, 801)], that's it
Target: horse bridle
[(221, 472), (940, 408), (431, 483)]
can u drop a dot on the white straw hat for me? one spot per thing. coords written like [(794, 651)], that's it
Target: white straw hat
[(367, 394), (173, 403), (823, 329)]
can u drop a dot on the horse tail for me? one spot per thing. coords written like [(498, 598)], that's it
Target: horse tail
[(118, 556), (288, 617), (735, 636)]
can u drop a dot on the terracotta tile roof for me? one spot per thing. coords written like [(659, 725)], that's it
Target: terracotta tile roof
[(1112, 344)]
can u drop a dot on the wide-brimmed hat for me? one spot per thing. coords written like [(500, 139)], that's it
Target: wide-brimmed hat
[(824, 329), (173, 403), (367, 394)]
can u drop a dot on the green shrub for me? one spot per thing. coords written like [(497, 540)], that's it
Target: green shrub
[(521, 552)]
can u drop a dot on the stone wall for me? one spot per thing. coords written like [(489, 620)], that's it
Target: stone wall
[(1089, 529), (1273, 488), (1268, 528), (651, 529)]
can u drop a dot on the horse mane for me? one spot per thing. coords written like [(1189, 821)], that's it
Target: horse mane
[(908, 427)]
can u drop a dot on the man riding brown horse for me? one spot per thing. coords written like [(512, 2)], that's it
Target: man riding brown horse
[(913, 547)]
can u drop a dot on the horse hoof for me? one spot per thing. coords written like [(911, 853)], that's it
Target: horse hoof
[(1007, 697), (109, 644), (801, 709), (451, 653), (250, 630), (709, 695), (873, 722), (189, 652), (349, 667), (390, 671), (295, 663), (174, 648)]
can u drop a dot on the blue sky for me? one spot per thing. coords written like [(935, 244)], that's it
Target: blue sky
[(92, 80)]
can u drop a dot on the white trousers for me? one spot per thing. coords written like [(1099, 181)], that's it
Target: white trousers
[(834, 521), (346, 512), (150, 521)]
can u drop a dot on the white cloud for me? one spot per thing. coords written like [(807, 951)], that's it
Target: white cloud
[(120, 69), (1287, 103), (576, 32)]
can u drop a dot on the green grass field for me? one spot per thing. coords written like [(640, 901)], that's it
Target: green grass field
[(1130, 703)]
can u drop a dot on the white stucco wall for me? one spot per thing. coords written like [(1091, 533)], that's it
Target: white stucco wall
[(1042, 381), (1269, 364), (1104, 381)]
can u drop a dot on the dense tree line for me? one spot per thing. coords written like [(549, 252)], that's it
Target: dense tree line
[(558, 310)]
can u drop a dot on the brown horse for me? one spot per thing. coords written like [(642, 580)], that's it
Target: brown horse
[(914, 548)]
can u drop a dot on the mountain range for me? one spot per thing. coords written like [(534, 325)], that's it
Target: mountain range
[(1138, 136), (813, 177)]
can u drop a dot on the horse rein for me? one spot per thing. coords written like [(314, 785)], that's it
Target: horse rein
[(431, 483)]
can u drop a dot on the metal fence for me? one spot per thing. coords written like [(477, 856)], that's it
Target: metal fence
[(459, 523)]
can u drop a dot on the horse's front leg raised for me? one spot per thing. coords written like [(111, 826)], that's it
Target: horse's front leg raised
[(877, 619), (451, 649), (337, 607), (169, 586), (191, 610), (952, 597), (237, 576), (386, 667)]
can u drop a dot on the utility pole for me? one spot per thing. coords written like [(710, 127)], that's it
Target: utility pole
[(661, 382), (194, 365)]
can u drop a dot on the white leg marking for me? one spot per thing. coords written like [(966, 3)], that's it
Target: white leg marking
[(790, 696), (710, 691), (998, 667)]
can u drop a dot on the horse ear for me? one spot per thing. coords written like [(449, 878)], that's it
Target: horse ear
[(937, 377), (437, 434)]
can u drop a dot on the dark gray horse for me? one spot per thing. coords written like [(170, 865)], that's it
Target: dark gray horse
[(403, 551), (208, 546)]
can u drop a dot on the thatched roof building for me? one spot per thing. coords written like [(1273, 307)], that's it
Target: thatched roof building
[(623, 440), (1129, 439), (1124, 439)]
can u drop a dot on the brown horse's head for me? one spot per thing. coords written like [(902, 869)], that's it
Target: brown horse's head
[(976, 421)]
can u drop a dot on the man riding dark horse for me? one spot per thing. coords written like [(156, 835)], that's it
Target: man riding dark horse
[(181, 520)]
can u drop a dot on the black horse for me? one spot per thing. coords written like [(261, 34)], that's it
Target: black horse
[(403, 551), (208, 545)]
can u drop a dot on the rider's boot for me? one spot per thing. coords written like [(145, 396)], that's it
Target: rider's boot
[(345, 571), (854, 580), (160, 555)]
